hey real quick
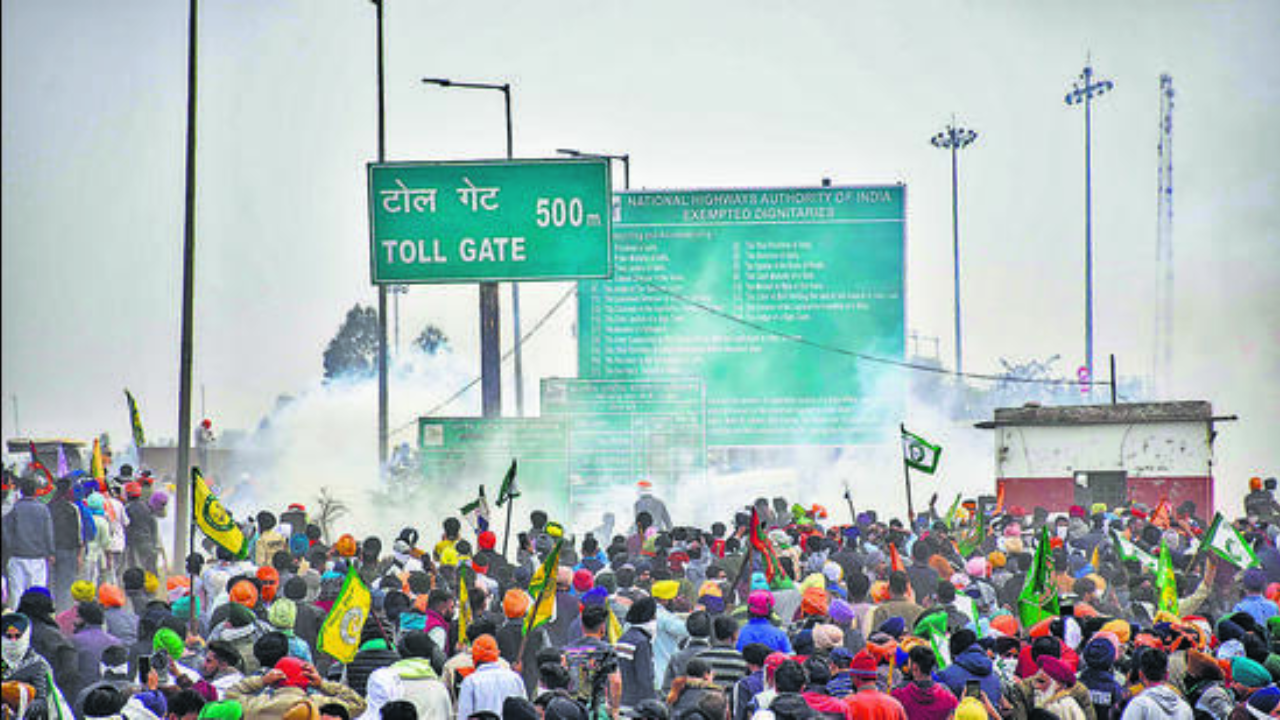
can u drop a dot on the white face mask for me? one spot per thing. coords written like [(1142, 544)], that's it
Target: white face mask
[(14, 650)]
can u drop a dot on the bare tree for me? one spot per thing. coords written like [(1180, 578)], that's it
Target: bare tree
[(331, 509)]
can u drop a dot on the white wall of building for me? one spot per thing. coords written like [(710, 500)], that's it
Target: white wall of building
[(1174, 449)]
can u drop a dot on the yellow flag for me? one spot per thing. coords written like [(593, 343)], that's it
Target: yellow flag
[(214, 520), (613, 630), (96, 467), (464, 602), (543, 589), (340, 634)]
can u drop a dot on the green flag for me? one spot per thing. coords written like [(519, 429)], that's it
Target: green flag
[(975, 537), (919, 454), (1039, 597), (1166, 582), (1128, 551), (477, 512), (509, 489), (950, 518), (1227, 543)]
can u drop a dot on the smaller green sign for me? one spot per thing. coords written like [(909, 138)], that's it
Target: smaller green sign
[(459, 454), (440, 222)]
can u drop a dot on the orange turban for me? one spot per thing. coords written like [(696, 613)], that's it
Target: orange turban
[(515, 603), (484, 650), (111, 596), (244, 593), (814, 601)]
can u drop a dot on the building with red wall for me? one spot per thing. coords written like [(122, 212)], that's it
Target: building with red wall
[(1056, 457)]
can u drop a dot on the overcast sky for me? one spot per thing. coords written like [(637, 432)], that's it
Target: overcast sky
[(709, 94)]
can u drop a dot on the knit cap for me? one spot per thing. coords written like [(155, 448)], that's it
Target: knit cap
[(283, 614)]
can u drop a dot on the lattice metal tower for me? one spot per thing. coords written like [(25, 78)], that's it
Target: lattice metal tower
[(1163, 337)]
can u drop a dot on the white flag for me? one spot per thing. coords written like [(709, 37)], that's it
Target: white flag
[(1228, 544)]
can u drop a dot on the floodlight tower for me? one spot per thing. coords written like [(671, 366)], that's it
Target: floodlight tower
[(955, 139), (1083, 92)]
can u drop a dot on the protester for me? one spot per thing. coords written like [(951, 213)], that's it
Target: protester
[(877, 618)]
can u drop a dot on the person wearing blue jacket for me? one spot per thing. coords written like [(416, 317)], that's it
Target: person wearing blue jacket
[(969, 662)]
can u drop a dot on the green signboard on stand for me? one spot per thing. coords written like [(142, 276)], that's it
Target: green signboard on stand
[(460, 454), (735, 287), (441, 222), (624, 431)]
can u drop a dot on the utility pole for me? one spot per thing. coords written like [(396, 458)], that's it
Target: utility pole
[(1163, 354), (955, 139), (1083, 92), (182, 477), (382, 288)]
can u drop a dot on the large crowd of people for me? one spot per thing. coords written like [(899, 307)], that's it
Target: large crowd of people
[(783, 610)]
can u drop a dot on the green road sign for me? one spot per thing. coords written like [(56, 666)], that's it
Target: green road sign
[(460, 454), (442, 222), (623, 431), (823, 264)]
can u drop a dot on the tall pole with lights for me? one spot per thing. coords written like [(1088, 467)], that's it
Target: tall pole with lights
[(955, 139), (1083, 91), (490, 337), (624, 158)]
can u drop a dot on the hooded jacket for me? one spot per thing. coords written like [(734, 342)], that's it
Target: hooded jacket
[(926, 700), (1159, 702), (972, 664)]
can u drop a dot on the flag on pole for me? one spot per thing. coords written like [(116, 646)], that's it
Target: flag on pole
[(1039, 597), (543, 585), (509, 490), (950, 518), (340, 634), (214, 520), (135, 421), (932, 626), (613, 629), (64, 467), (1128, 551), (464, 601), (895, 560), (1227, 543), (477, 512), (1162, 516), (975, 537), (97, 469), (999, 499), (1095, 560), (760, 543), (920, 454), (46, 492), (1166, 582)]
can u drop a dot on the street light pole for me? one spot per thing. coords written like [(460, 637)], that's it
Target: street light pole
[(182, 524), (1083, 91), (955, 139), (490, 337), (383, 435), (624, 158)]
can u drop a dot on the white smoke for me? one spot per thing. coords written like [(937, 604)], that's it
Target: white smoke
[(326, 437)]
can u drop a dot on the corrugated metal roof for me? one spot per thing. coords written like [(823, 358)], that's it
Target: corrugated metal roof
[(1124, 414)]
